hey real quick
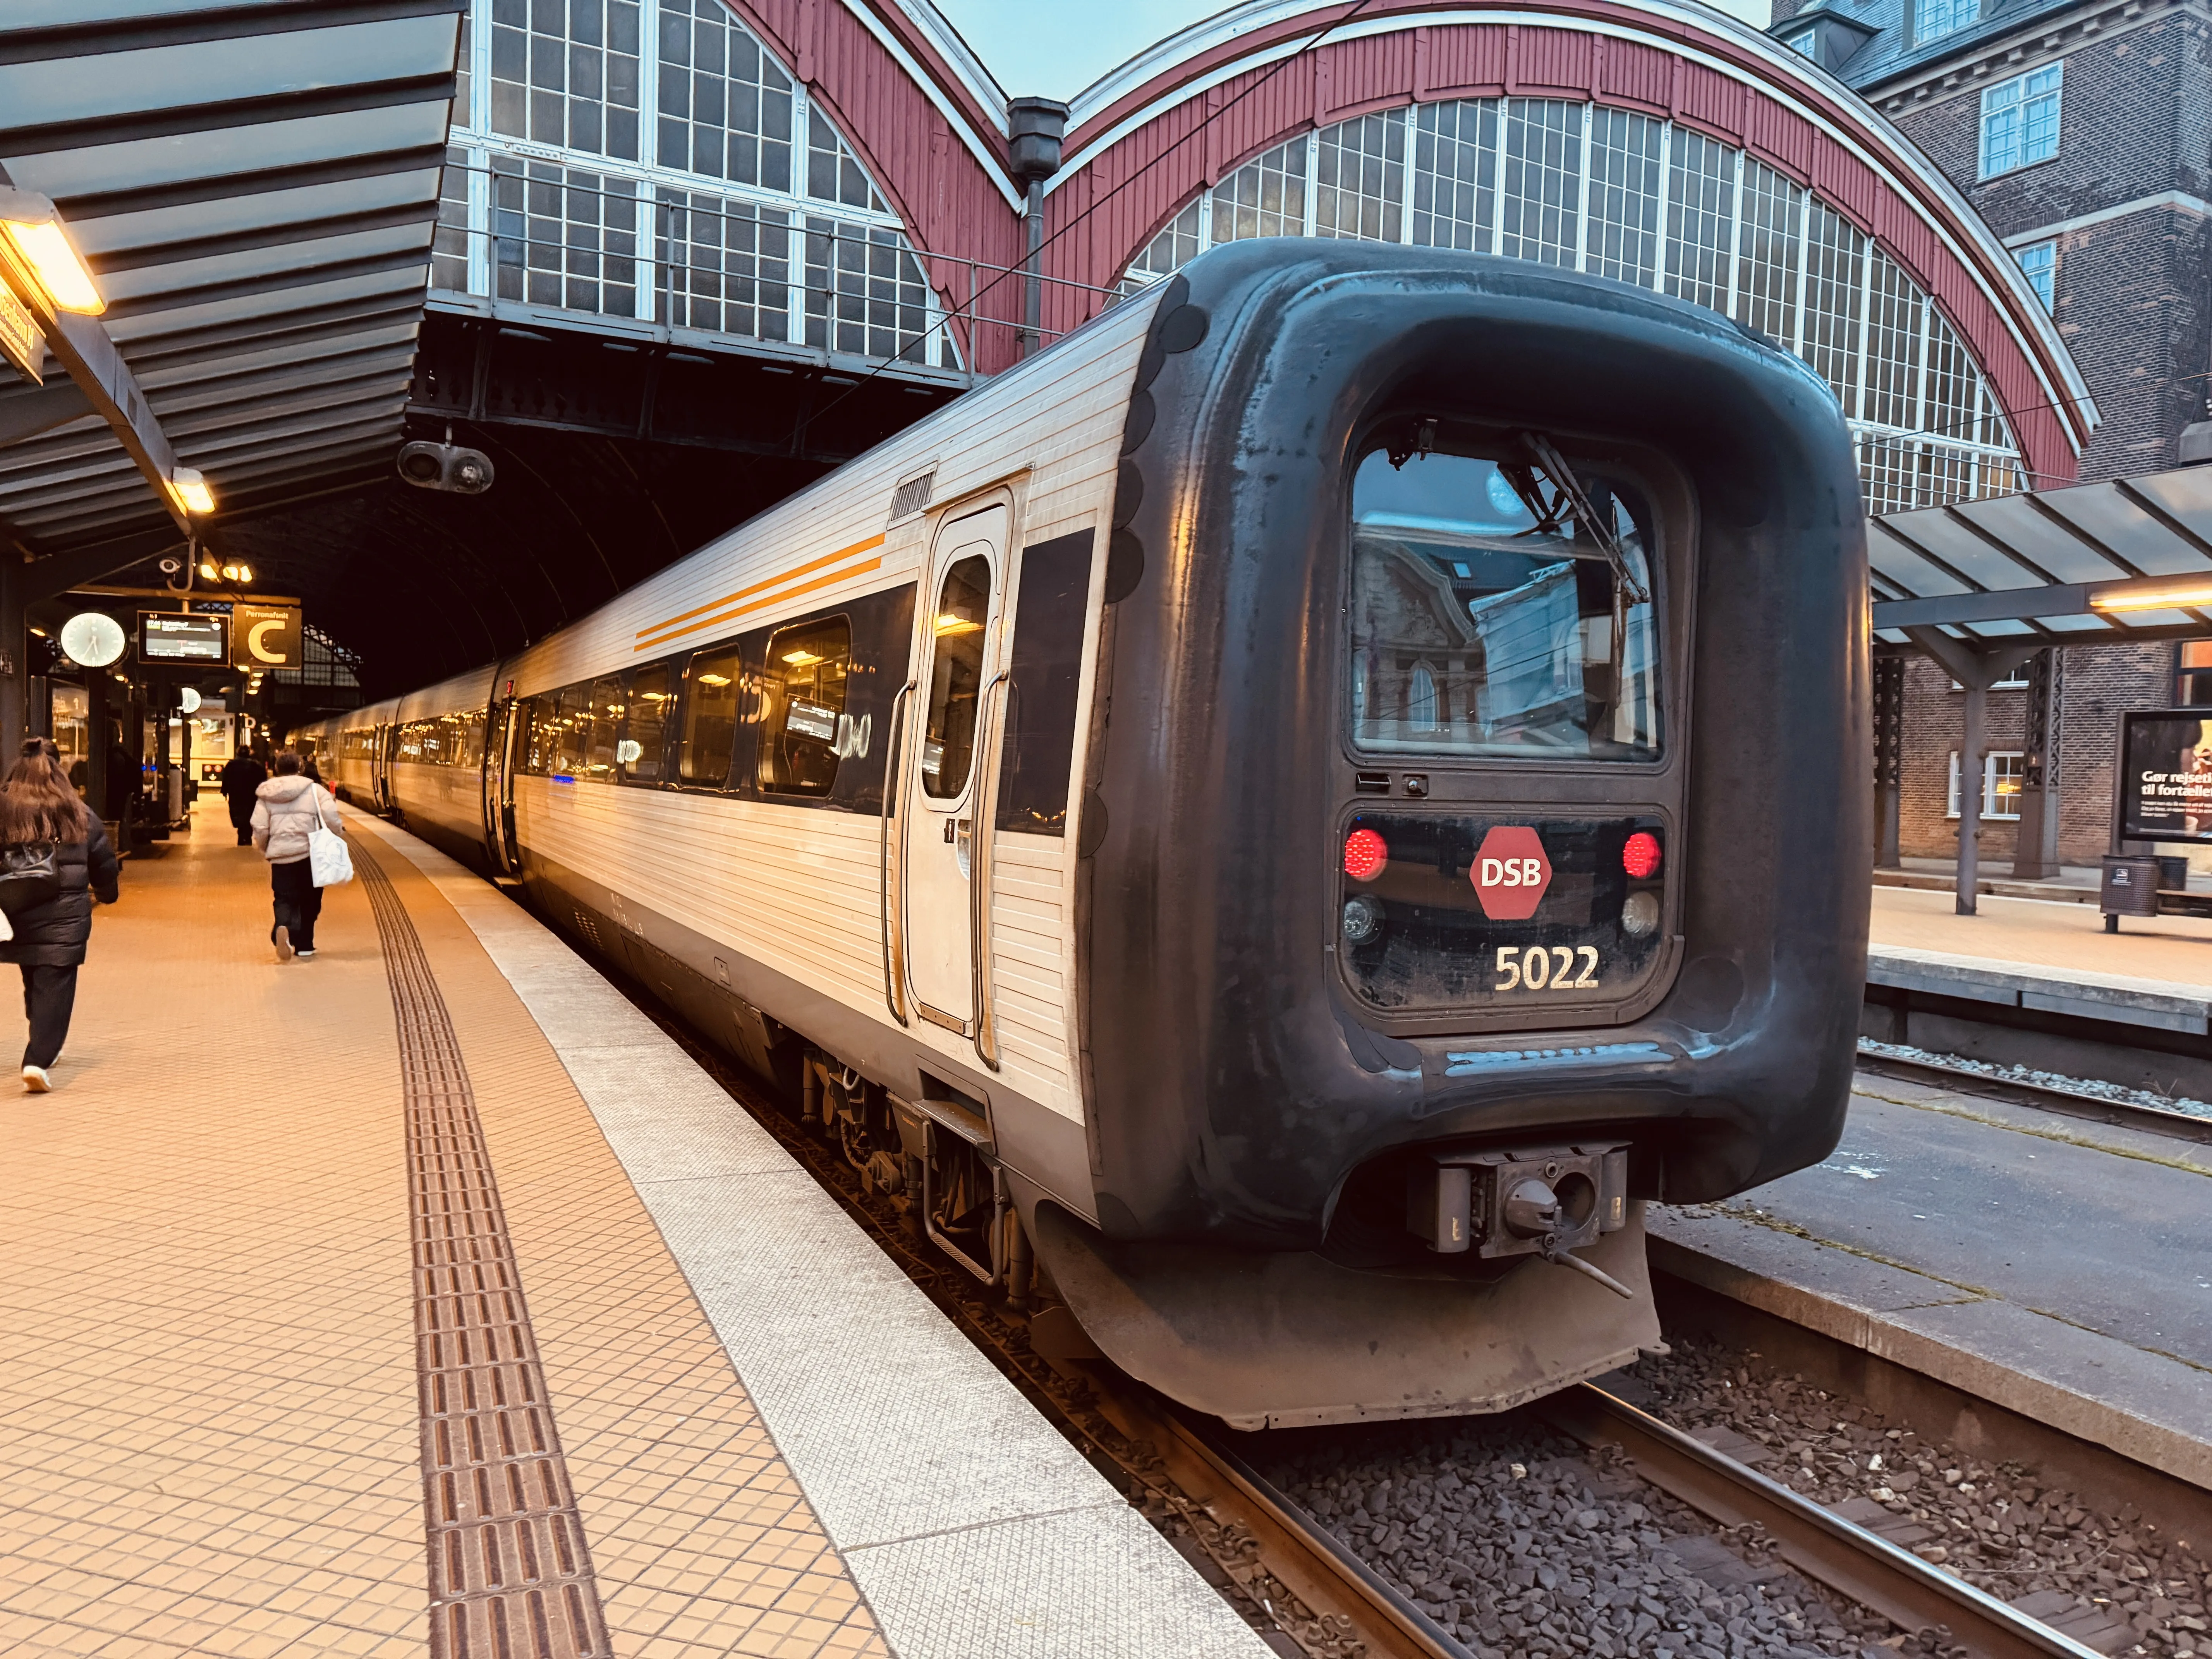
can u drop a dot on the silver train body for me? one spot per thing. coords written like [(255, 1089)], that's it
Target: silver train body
[(1098, 804)]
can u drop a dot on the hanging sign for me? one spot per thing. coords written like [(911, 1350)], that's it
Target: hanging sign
[(21, 343), (264, 635)]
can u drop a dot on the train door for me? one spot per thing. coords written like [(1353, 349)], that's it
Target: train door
[(387, 744), (943, 772), (500, 742)]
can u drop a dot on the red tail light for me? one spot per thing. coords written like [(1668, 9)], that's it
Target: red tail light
[(1640, 855), (1366, 852)]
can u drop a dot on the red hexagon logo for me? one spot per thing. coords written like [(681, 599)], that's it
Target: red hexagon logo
[(1510, 872)]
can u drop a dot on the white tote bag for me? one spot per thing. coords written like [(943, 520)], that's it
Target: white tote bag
[(329, 859)]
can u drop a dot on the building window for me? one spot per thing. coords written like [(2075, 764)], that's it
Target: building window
[(1645, 202), (2020, 121), (657, 163), (2003, 772), (2193, 677), (2040, 260), (1804, 42), (1932, 19)]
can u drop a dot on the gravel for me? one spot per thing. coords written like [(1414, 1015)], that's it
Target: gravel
[(2079, 1085), (1996, 1525), (1520, 1544)]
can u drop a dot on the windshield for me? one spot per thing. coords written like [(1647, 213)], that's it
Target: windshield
[(1481, 627)]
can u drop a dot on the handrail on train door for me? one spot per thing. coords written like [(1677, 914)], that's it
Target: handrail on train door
[(985, 808), (889, 916)]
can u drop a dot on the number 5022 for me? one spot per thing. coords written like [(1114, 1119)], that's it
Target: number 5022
[(1531, 968)]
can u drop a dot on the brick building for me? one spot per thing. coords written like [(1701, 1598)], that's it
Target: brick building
[(2082, 131)]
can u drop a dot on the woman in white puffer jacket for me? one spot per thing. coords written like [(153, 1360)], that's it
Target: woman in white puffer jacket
[(287, 809)]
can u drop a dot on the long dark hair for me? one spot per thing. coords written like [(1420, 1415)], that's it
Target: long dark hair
[(36, 800)]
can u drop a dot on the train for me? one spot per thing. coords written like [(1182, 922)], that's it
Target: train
[(1272, 828)]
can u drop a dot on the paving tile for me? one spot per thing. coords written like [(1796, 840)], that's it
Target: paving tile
[(208, 1414)]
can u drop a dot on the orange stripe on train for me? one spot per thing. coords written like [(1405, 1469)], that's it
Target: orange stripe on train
[(747, 593), (830, 580)]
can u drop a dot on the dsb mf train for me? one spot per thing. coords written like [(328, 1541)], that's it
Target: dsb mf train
[(1296, 812)]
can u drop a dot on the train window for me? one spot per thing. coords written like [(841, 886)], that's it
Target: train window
[(1047, 669), (1484, 622), (802, 724), (711, 686), (638, 755), (603, 709), (472, 740), (955, 675), (411, 743)]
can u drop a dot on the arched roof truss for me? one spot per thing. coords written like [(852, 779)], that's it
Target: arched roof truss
[(1653, 143)]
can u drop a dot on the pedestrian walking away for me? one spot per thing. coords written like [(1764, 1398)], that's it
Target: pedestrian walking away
[(241, 775), (55, 861), (288, 808)]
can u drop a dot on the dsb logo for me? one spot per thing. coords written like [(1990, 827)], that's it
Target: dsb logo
[(1510, 872)]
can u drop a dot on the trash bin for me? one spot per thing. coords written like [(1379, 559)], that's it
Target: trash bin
[(2130, 887), (2172, 872)]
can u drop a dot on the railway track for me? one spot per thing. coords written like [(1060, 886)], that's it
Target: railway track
[(2066, 1102), (1310, 1593)]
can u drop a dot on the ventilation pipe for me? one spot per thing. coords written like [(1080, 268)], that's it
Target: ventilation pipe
[(1034, 127)]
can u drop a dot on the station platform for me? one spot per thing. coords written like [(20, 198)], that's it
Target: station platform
[(2055, 957), (425, 1296), (2059, 1268)]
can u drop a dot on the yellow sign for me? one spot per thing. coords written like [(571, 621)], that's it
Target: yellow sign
[(21, 343), (264, 635)]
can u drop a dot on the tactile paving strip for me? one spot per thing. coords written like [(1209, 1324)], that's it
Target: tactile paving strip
[(510, 1570)]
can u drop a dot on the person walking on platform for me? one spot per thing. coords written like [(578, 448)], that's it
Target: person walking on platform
[(241, 775), (55, 854), (287, 810)]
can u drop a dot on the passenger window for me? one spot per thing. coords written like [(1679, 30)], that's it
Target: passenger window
[(711, 688), (1486, 618), (603, 710), (802, 724), (955, 675), (639, 754)]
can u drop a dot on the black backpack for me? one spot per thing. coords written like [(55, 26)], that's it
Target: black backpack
[(30, 875)]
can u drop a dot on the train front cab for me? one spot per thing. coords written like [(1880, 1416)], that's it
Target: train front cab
[(1475, 843)]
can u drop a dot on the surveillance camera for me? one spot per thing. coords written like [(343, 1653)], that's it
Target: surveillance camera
[(446, 466), (170, 567)]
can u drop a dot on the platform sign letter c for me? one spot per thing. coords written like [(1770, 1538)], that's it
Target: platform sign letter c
[(253, 637)]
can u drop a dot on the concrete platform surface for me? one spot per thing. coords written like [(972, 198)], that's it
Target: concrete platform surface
[(2055, 957), (2059, 1268), (314, 1277)]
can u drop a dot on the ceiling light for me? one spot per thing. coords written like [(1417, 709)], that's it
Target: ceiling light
[(190, 490), (230, 573), (801, 658), (207, 570), (245, 573), (29, 221), (2167, 597)]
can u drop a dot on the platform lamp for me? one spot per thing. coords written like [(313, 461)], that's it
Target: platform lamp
[(41, 245)]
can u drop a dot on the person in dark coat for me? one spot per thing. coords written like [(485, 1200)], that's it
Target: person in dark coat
[(241, 775), (38, 806)]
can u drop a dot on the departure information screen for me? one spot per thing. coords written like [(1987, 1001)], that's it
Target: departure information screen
[(165, 636)]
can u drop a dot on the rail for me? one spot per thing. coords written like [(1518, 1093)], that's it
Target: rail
[(2066, 1102), (1821, 1544)]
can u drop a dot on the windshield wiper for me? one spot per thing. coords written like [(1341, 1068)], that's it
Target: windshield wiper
[(1570, 502)]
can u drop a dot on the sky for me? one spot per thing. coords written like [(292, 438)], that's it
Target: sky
[(1056, 50)]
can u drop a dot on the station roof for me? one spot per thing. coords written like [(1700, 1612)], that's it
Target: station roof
[(254, 184), (2085, 564)]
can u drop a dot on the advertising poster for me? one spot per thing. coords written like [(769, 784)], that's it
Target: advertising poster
[(2165, 777)]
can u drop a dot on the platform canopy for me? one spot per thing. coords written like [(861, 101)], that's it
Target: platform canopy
[(254, 187), (2129, 558)]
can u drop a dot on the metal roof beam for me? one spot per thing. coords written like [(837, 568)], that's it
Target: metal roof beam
[(261, 181), (106, 34), (277, 233), (85, 348), (230, 113)]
